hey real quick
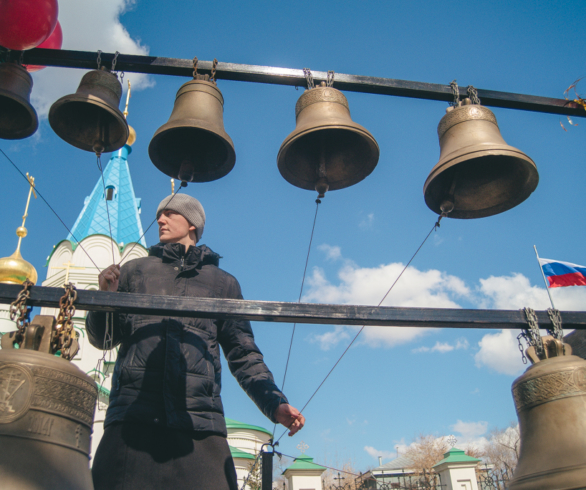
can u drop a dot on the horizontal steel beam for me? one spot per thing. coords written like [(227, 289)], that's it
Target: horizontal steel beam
[(274, 311), (295, 77)]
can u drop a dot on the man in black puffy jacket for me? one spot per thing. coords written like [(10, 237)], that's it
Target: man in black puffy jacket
[(165, 423)]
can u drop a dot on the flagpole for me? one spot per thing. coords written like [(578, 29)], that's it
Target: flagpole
[(544, 279)]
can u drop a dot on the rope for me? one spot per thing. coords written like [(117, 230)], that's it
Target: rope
[(149, 227), (317, 203), (51, 208), (435, 227)]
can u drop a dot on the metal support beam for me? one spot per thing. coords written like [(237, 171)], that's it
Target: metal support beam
[(294, 77), (273, 311)]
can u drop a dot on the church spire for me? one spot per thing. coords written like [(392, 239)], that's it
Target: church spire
[(123, 205)]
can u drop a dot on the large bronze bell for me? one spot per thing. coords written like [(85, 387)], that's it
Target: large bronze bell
[(46, 415), (550, 398), (478, 174), (193, 145), (90, 118), (18, 118), (327, 150)]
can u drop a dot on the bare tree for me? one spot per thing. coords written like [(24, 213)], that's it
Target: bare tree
[(425, 451), (503, 448)]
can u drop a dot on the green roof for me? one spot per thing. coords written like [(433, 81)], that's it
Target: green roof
[(237, 453), (455, 455), (304, 462), (234, 424)]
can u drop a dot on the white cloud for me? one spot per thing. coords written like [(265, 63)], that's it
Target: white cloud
[(87, 26), (500, 352), (375, 453), (367, 222), (443, 347), (332, 252), (511, 293), (367, 286), (470, 430)]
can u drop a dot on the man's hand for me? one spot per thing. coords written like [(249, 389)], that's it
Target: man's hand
[(108, 278), (290, 417)]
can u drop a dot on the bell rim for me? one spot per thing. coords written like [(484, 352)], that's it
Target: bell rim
[(463, 155), (30, 109), (222, 171), (94, 101), (336, 185)]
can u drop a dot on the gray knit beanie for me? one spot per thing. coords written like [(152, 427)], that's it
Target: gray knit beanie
[(188, 207)]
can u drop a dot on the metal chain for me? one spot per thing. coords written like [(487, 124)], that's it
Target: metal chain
[(521, 348), (195, 60), (122, 78), (330, 80), (455, 93), (309, 78), (213, 76), (99, 60), (557, 331), (473, 94), (18, 308), (114, 60), (532, 333), (64, 335)]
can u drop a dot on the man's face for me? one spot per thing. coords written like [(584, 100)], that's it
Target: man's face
[(174, 228)]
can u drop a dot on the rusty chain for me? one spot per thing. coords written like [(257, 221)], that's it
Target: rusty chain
[(309, 78), (114, 61), (195, 60), (473, 94), (213, 75), (330, 79), (556, 331), (65, 335), (455, 93), (19, 308), (531, 334)]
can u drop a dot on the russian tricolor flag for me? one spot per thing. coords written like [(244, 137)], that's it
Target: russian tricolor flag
[(560, 274)]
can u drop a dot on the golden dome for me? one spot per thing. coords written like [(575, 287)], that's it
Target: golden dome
[(16, 270), (131, 136)]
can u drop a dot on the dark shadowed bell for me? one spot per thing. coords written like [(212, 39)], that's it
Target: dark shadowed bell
[(18, 118)]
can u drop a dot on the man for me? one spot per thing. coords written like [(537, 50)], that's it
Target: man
[(165, 425)]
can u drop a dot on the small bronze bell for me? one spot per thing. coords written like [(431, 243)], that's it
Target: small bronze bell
[(193, 145), (47, 410), (550, 398), (478, 174), (18, 118), (90, 118), (327, 150)]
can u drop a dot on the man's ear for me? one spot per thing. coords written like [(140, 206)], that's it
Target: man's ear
[(192, 228)]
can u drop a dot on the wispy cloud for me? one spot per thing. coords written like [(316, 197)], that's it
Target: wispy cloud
[(443, 347), (367, 222), (375, 453), (332, 252)]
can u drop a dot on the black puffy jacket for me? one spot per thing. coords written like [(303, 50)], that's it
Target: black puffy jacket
[(168, 370)]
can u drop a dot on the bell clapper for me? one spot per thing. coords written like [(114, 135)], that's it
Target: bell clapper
[(186, 171), (322, 186), (183, 183)]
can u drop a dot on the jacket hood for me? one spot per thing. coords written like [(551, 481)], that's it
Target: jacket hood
[(193, 256)]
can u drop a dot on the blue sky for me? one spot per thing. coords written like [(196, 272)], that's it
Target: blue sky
[(393, 383)]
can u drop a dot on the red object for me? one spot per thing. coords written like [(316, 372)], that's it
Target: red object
[(24, 24), (54, 41)]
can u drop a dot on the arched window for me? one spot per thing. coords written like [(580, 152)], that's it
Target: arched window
[(110, 193)]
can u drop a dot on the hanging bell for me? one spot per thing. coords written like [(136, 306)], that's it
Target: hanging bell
[(193, 145), (327, 150), (550, 398), (18, 118), (478, 174), (90, 118), (47, 409)]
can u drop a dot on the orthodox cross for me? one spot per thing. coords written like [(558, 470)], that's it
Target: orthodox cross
[(339, 478), (302, 447), (452, 441), (68, 265)]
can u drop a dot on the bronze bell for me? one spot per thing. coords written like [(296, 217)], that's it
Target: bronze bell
[(90, 118), (18, 118), (478, 174), (327, 150), (550, 398), (193, 145), (47, 409)]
